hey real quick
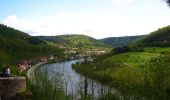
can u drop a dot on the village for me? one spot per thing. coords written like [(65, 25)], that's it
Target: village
[(27, 64), (69, 55)]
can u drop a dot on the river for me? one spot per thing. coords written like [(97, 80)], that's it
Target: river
[(74, 84)]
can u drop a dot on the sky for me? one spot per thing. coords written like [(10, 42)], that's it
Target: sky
[(96, 18)]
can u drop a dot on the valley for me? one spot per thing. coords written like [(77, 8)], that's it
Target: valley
[(84, 50), (132, 69)]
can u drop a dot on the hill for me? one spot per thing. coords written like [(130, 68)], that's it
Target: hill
[(82, 40), (158, 38), (16, 45), (120, 41), (53, 39), (77, 41)]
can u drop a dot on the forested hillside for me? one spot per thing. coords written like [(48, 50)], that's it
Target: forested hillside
[(159, 38), (120, 41), (16, 45), (53, 39)]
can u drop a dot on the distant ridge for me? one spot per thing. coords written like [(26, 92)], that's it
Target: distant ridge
[(74, 40), (120, 41)]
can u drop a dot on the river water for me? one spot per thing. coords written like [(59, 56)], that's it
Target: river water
[(75, 84)]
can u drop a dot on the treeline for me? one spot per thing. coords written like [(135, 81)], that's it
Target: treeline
[(16, 45), (159, 38), (120, 41)]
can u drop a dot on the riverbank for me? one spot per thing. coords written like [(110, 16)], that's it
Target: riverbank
[(44, 88), (31, 85), (31, 71)]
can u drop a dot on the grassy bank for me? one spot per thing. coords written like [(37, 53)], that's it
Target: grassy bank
[(134, 74)]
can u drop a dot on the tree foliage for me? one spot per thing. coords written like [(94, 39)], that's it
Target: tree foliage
[(168, 1), (159, 38)]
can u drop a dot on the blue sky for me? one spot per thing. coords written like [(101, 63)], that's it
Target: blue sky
[(96, 18)]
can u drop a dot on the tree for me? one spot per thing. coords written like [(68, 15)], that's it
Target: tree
[(168, 1)]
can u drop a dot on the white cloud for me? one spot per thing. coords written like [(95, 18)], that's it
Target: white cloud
[(98, 26), (23, 25), (121, 1)]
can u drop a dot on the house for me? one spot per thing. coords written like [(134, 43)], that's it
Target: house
[(43, 59), (51, 58), (100, 52), (23, 65)]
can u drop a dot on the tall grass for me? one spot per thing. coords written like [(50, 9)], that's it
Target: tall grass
[(48, 88)]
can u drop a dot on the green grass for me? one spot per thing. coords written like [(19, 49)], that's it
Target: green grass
[(128, 63), (157, 49), (134, 58)]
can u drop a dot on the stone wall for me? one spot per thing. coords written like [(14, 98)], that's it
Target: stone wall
[(10, 86)]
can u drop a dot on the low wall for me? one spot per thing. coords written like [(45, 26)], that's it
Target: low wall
[(10, 86)]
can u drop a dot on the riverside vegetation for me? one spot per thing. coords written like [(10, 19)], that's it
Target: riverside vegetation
[(48, 89), (58, 81)]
